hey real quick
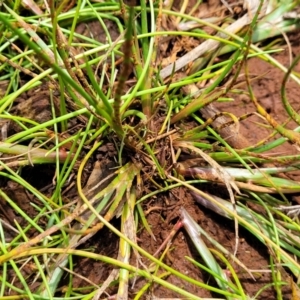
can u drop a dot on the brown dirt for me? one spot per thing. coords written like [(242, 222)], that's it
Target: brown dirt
[(267, 90), (163, 211)]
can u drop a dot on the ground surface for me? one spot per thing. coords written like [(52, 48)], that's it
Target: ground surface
[(162, 212)]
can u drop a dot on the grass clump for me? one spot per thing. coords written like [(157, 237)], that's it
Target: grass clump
[(117, 124)]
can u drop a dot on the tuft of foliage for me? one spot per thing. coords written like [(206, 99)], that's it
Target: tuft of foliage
[(119, 124)]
